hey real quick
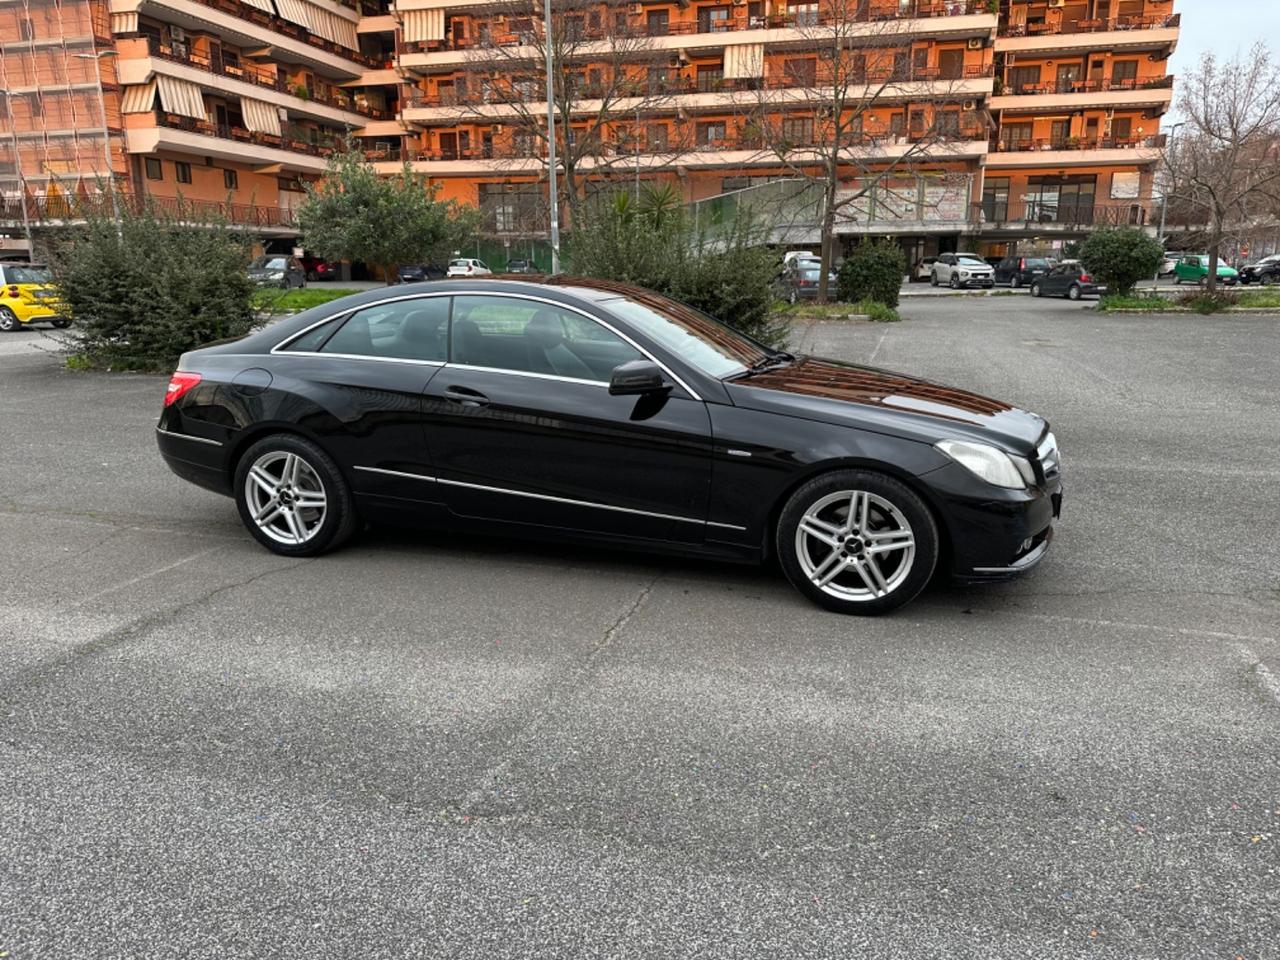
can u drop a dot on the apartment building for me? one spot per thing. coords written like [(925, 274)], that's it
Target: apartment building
[(1021, 121)]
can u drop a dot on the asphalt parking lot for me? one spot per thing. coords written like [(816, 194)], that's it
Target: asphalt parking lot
[(426, 747)]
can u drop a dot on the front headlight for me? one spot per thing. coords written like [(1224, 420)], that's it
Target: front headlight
[(998, 468)]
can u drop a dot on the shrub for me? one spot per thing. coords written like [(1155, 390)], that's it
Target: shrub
[(874, 271), (1207, 303), (877, 312), (139, 299), (1121, 257), (652, 243)]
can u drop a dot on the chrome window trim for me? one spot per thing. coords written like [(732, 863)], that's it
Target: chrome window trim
[(528, 373), (396, 473), (187, 436), (282, 346)]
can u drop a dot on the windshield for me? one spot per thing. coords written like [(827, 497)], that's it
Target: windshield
[(28, 274), (697, 339), (268, 263), (973, 260)]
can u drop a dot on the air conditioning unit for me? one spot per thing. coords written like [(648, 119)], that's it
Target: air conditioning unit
[(977, 43), (970, 105), (637, 8), (1057, 3), (495, 128)]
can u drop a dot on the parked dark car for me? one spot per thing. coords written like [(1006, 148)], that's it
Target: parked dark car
[(800, 281), (603, 413), (521, 266), (420, 273), (317, 269), (277, 270), (1067, 279), (1020, 271), (1265, 271)]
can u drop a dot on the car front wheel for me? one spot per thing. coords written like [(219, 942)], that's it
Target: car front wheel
[(856, 541), (1035, 290), (955, 282), (292, 497)]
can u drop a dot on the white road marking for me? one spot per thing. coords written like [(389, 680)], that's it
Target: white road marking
[(1269, 682), (878, 346), (1158, 627), (146, 576)]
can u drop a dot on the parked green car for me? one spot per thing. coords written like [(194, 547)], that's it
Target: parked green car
[(1195, 269)]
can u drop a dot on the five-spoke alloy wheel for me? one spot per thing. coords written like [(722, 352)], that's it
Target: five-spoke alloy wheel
[(857, 542), (292, 497)]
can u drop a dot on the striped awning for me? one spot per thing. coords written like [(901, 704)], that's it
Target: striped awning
[(181, 97), (744, 60), (344, 32), (419, 25), (139, 99), (124, 22), (263, 5), (296, 11), (260, 116)]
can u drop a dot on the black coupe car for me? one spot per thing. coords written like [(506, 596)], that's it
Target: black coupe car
[(603, 413)]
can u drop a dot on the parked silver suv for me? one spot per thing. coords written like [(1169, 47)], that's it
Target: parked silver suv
[(962, 270)]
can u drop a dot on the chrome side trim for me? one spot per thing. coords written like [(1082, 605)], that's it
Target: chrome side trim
[(734, 452), (726, 526), (187, 436), (396, 473), (361, 356), (1023, 564), (576, 503), (528, 373)]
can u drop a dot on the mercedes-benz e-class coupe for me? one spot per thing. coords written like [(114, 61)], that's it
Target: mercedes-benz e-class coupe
[(599, 412)]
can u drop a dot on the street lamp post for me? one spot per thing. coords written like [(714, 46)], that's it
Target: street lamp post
[(1164, 200), (106, 134), (553, 181)]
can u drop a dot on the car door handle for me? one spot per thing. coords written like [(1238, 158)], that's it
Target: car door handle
[(466, 397)]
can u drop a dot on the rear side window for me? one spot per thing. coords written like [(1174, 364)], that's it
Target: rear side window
[(310, 341), (416, 329)]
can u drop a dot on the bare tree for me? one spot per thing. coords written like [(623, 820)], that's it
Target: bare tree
[(1226, 162), (601, 88), (823, 118)]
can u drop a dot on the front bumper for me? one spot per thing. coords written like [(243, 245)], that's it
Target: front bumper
[(977, 281)]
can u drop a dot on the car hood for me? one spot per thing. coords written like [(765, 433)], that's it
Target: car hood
[(870, 398)]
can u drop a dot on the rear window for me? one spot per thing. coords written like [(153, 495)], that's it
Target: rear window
[(27, 274), (459, 263), (811, 274), (1037, 262)]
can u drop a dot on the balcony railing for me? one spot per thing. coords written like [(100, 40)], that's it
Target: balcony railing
[(1099, 25), (62, 209), (207, 128), (290, 29), (1064, 212), (261, 76), (494, 34), (682, 85), (1089, 86), (1014, 145)]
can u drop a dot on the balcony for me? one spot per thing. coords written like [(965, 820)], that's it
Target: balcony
[(1075, 151), (59, 210), (934, 20), (685, 92), (1115, 33), (245, 72), (1082, 94), (231, 143), (1048, 215)]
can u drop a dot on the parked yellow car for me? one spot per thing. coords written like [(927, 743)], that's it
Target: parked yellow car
[(26, 296)]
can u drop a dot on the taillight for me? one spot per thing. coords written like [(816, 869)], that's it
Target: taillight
[(14, 291), (179, 384), (1084, 278), (1022, 264)]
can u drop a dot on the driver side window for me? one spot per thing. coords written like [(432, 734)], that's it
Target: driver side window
[(530, 336)]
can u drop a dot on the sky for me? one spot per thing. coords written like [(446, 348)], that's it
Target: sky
[(1223, 26)]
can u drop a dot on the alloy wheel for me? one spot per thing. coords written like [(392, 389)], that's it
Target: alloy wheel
[(286, 497), (855, 545), (8, 320)]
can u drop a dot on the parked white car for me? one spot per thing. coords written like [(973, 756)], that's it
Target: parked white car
[(958, 270), (465, 267)]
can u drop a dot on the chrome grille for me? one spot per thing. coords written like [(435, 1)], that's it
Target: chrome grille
[(1047, 453)]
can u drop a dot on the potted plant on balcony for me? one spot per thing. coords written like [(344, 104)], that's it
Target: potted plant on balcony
[(300, 91)]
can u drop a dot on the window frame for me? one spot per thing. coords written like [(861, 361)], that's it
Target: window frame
[(282, 348), (159, 167), (182, 171)]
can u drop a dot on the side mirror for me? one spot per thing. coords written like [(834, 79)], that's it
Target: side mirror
[(636, 377)]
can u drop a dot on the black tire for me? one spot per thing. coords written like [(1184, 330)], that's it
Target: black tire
[(933, 279), (1074, 292), (1268, 280), (1203, 281), (340, 519), (9, 321), (887, 489), (954, 282), (1036, 291), (61, 323), (1015, 281), (313, 276)]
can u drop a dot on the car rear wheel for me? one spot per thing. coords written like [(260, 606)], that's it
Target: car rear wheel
[(293, 498), (8, 320), (1074, 292), (1035, 290), (856, 541), (1015, 281), (1268, 281)]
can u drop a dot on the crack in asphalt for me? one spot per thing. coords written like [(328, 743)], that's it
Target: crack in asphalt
[(14, 509), (31, 678), (461, 812)]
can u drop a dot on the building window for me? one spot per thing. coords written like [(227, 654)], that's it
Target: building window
[(230, 179), (711, 133), (658, 138), (713, 19), (154, 170), (182, 171), (1124, 74), (798, 131), (800, 72), (1024, 79), (658, 23)]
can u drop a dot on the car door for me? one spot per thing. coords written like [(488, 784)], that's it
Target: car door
[(942, 269), (1054, 283), (523, 429)]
